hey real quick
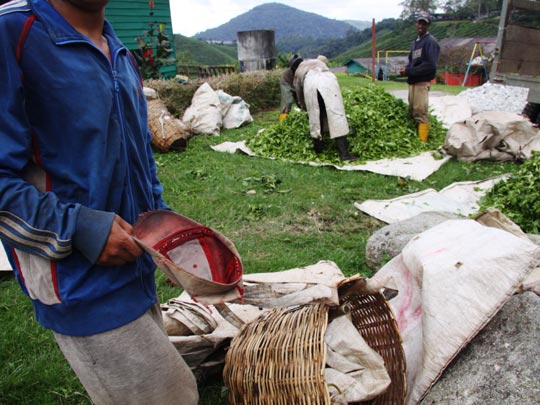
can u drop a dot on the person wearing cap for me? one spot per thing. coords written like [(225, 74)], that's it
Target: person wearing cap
[(316, 90), (76, 171), (420, 71)]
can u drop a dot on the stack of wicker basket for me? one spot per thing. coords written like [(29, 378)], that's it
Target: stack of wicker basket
[(280, 358)]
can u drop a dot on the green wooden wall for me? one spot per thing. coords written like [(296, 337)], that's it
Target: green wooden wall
[(131, 19), (354, 67)]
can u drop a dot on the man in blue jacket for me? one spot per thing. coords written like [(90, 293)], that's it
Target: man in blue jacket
[(420, 71), (76, 169)]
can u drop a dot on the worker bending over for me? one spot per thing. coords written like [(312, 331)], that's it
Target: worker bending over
[(315, 89)]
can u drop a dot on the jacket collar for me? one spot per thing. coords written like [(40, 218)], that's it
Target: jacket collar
[(60, 31)]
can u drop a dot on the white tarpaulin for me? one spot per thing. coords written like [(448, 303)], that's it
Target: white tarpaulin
[(198, 349), (451, 281), (303, 285), (493, 136), (459, 198), (416, 168)]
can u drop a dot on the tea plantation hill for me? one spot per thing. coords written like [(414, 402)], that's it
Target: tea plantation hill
[(310, 35), (287, 22)]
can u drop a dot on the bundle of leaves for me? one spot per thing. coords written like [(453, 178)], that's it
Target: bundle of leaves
[(380, 128), (518, 197)]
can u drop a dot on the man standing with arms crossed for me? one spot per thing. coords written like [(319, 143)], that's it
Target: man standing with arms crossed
[(420, 71), (76, 169)]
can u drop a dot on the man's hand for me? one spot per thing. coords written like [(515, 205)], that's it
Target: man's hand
[(120, 247), (402, 71)]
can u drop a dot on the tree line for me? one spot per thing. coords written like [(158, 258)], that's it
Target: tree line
[(459, 9)]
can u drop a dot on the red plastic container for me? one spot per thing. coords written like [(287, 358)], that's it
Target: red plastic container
[(456, 79)]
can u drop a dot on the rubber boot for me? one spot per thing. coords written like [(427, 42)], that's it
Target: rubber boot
[(318, 145), (343, 149), (423, 132)]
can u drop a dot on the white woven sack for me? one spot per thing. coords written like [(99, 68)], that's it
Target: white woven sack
[(204, 115), (451, 281)]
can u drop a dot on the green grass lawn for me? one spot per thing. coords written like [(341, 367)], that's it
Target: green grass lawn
[(350, 81), (293, 215)]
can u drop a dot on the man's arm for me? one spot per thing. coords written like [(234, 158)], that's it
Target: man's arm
[(32, 218), (120, 247)]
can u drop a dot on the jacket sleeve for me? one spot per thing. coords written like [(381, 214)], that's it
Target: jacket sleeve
[(33, 219)]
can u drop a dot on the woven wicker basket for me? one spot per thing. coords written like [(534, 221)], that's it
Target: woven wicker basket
[(164, 127), (280, 358), (374, 319)]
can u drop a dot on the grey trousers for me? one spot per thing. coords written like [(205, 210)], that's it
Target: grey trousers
[(133, 364)]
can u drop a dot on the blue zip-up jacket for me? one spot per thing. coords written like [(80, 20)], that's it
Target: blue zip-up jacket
[(423, 58), (75, 151)]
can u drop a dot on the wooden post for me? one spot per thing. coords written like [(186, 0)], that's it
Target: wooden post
[(373, 47)]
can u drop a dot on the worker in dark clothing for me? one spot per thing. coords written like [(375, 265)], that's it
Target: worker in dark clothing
[(288, 94), (420, 71)]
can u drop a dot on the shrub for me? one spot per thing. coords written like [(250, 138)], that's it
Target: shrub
[(259, 89)]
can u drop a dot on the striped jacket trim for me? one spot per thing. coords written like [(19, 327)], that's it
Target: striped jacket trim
[(42, 242), (14, 6)]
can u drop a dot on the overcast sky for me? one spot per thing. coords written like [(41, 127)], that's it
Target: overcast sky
[(192, 16)]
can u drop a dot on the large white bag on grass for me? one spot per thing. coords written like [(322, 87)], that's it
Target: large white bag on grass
[(204, 115), (451, 281), (494, 136), (234, 109)]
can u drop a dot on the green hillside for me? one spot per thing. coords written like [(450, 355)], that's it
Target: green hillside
[(191, 51), (400, 36), (286, 22), (391, 35)]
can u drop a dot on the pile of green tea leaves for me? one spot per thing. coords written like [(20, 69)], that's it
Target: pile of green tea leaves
[(519, 196), (380, 128)]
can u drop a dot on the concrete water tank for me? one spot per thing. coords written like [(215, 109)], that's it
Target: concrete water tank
[(256, 50)]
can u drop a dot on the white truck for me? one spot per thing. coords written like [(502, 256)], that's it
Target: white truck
[(517, 52)]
